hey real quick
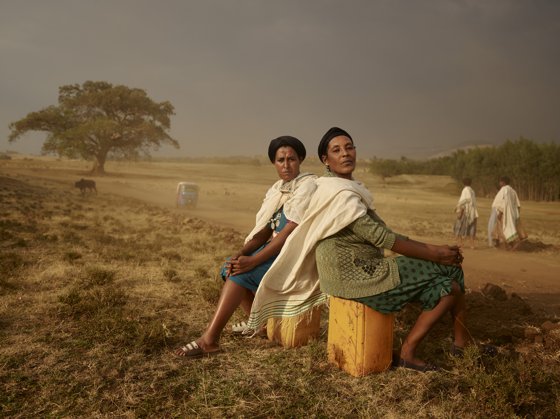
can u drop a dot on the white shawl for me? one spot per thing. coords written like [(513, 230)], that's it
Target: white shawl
[(291, 285), (284, 194), (467, 202), (507, 203)]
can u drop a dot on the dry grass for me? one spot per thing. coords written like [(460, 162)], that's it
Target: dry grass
[(96, 292)]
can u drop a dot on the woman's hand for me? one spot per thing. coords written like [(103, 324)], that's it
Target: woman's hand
[(228, 262), (241, 265), (448, 255)]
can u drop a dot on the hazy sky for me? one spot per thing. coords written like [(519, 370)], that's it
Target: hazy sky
[(409, 78)]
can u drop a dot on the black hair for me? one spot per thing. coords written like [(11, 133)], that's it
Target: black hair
[(286, 141), (505, 179), (329, 135)]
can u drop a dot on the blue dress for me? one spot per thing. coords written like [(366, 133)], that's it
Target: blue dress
[(253, 278)]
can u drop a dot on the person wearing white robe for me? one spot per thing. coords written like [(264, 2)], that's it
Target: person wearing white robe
[(467, 214), (507, 229)]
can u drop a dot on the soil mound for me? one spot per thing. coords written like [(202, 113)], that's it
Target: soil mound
[(534, 246), (503, 318)]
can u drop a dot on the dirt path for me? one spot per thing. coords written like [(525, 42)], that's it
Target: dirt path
[(532, 275)]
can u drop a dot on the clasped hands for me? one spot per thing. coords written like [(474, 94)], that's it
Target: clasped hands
[(450, 255), (239, 264)]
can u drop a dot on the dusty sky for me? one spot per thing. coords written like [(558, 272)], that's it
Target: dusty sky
[(403, 77)]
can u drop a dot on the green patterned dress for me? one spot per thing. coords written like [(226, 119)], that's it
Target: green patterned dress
[(352, 265)]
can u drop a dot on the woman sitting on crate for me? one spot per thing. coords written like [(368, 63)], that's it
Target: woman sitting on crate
[(282, 209), (341, 243)]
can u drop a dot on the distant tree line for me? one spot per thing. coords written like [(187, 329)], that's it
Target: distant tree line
[(534, 168)]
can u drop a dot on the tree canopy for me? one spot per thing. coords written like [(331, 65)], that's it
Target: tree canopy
[(534, 168), (97, 119)]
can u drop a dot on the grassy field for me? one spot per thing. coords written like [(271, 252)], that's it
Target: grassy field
[(97, 290)]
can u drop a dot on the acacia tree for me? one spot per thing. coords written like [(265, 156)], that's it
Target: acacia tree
[(98, 119)]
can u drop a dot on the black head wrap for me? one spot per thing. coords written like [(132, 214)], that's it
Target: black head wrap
[(286, 141), (329, 135)]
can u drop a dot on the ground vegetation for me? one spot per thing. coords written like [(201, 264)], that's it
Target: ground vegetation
[(96, 291)]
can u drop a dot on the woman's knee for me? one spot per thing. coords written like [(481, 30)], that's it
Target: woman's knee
[(456, 289)]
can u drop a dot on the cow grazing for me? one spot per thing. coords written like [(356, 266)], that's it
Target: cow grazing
[(86, 185)]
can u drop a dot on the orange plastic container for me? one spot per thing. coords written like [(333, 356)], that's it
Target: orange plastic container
[(360, 339), (295, 331)]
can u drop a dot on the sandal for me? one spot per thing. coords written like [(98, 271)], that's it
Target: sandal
[(417, 367), (239, 328), (484, 350), (192, 350), (242, 329)]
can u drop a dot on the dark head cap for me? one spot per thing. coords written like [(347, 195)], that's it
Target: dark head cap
[(286, 141), (329, 135)]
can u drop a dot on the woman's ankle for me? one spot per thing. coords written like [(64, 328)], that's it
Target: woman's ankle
[(462, 342), (207, 343)]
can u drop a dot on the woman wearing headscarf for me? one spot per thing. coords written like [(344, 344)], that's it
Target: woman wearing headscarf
[(341, 246), (281, 212)]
